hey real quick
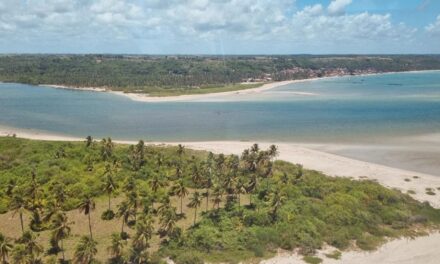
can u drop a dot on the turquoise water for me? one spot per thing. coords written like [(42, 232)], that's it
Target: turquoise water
[(348, 109)]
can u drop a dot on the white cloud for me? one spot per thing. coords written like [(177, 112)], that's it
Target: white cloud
[(434, 28), (337, 7), (170, 22)]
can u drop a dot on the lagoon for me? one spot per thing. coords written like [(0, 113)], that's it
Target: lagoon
[(345, 115)]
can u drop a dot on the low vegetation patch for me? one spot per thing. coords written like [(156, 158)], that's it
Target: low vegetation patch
[(312, 260), (336, 254)]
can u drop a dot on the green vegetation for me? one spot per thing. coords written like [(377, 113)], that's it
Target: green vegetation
[(91, 202), (429, 191), (334, 255), (175, 75), (312, 260)]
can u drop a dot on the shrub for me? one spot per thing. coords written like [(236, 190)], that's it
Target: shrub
[(108, 215), (312, 260), (188, 257), (334, 255)]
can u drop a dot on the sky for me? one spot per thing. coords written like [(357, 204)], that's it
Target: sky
[(220, 26)]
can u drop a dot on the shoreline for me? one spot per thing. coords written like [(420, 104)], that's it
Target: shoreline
[(143, 97), (301, 153)]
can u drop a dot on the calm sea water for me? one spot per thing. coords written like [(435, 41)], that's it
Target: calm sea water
[(348, 109)]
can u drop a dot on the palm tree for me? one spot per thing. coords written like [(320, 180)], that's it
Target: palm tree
[(217, 194), (33, 192), (168, 219), (116, 248), (20, 254), (240, 188), (139, 257), (196, 176), (18, 205), (276, 200), (255, 148), (86, 250), (124, 212), (157, 181), (109, 187), (61, 229), (181, 191), (106, 149), (5, 248), (165, 205), (89, 141), (59, 194), (129, 185), (180, 151), (195, 202), (33, 249), (86, 206), (12, 184), (273, 151), (144, 232), (133, 203)]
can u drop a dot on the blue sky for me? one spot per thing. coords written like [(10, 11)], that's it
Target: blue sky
[(220, 26)]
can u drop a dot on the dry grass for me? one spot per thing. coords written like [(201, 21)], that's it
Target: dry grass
[(102, 230)]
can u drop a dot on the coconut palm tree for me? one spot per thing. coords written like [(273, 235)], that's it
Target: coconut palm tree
[(133, 203), (5, 248), (33, 192), (86, 250), (180, 151), (18, 206), (12, 184), (89, 141), (168, 220), (217, 194), (116, 248), (20, 254), (181, 191), (106, 149), (276, 200), (61, 230), (33, 249), (255, 148), (109, 186), (252, 186), (157, 181), (59, 194), (273, 151), (139, 256), (144, 232), (195, 202), (240, 188), (124, 212), (196, 176), (86, 206), (165, 205), (129, 184)]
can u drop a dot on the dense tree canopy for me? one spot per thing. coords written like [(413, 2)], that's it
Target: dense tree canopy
[(164, 75)]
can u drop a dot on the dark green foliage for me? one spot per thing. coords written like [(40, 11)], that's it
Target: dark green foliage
[(318, 209), (108, 215), (168, 75), (312, 260)]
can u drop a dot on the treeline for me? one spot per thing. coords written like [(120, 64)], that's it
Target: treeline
[(138, 73), (188, 205)]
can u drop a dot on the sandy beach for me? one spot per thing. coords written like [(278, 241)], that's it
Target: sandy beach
[(421, 250), (330, 164)]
